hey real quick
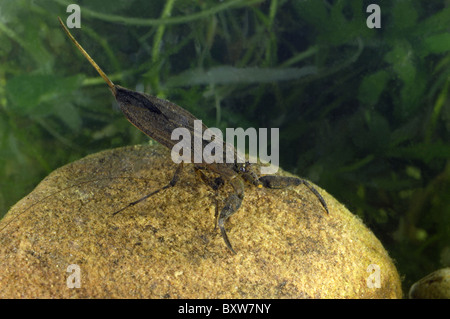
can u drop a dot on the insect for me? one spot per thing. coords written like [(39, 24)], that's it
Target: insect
[(157, 118)]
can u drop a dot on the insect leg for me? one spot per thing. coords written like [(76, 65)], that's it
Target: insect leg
[(172, 183), (232, 204), (215, 184), (274, 181), (315, 192)]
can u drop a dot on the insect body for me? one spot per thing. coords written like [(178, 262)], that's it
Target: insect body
[(158, 118)]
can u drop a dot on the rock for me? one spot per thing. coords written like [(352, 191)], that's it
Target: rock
[(167, 246), (433, 286)]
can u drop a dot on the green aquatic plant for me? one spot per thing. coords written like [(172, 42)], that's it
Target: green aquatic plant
[(362, 112)]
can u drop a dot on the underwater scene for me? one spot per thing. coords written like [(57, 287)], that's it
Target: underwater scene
[(357, 89)]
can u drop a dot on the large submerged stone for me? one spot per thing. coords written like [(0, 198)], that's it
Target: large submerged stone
[(168, 247)]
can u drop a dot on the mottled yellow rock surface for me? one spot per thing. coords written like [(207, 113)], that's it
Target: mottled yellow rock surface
[(433, 286), (167, 246)]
